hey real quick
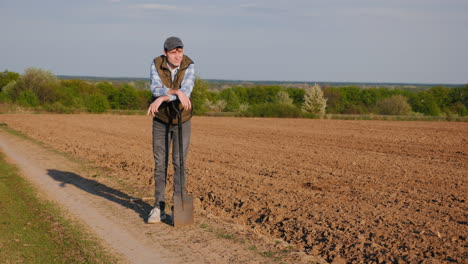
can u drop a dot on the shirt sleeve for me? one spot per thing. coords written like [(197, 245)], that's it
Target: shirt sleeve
[(189, 80), (156, 86)]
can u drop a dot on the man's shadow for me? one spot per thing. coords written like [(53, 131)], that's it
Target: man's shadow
[(99, 189)]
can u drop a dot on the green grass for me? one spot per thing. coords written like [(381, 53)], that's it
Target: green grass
[(36, 231)]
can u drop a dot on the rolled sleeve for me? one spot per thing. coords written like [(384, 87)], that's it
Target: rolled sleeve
[(189, 80), (158, 89), (156, 86)]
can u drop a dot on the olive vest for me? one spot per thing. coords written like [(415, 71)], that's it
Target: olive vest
[(165, 112)]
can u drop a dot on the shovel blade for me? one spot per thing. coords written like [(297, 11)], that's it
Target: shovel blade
[(183, 210)]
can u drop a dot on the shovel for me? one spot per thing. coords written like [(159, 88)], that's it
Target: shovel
[(183, 203)]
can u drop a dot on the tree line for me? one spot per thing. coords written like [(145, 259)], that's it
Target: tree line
[(40, 89), (279, 101)]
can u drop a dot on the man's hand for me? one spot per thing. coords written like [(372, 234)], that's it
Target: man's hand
[(153, 108), (184, 99)]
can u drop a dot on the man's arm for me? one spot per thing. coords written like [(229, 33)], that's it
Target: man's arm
[(158, 90), (165, 94), (186, 87), (156, 86), (189, 80)]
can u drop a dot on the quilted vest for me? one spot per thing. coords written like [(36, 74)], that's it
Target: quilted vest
[(165, 112)]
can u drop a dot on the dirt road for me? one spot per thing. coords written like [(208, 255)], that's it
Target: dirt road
[(348, 191)]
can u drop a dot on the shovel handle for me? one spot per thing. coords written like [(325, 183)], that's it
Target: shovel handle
[(181, 148)]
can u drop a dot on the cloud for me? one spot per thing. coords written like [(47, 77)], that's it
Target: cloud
[(375, 11), (248, 5), (155, 7), (394, 13), (262, 9)]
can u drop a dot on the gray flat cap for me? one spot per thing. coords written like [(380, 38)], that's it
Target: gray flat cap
[(172, 43)]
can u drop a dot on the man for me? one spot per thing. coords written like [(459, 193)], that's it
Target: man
[(172, 79)]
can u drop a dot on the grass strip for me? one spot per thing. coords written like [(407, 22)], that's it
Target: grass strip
[(33, 230)]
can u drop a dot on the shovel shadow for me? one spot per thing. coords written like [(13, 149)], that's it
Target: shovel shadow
[(93, 187)]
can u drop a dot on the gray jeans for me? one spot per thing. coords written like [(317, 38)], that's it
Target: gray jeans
[(163, 136)]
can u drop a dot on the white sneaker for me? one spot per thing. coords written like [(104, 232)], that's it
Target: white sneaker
[(156, 216)]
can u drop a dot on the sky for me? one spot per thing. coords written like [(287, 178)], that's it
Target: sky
[(403, 41)]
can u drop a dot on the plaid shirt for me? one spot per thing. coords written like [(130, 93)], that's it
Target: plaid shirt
[(158, 88)]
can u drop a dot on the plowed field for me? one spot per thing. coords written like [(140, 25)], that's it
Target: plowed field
[(348, 191)]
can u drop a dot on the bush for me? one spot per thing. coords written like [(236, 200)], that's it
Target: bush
[(217, 106), (231, 99), (283, 98), (460, 109), (127, 97), (354, 109), (243, 107), (424, 102), (97, 103), (112, 94), (273, 110), (7, 77), (335, 102), (40, 82), (314, 102), (296, 94), (459, 100), (4, 98), (58, 107), (441, 96), (199, 96), (27, 98), (143, 99), (7, 91), (395, 105)]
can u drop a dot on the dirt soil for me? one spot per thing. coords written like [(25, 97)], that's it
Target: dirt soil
[(347, 191)]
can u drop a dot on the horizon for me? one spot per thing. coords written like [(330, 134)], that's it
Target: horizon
[(267, 81)]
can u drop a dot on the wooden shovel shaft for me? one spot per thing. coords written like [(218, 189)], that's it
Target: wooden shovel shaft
[(181, 153), (183, 204)]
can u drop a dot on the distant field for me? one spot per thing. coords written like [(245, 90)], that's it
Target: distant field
[(260, 82), (369, 191)]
